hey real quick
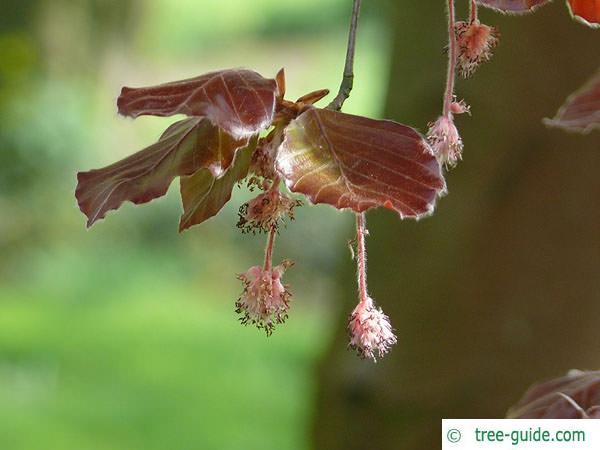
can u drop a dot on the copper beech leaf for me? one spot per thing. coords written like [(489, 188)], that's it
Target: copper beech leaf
[(581, 111), (240, 102), (513, 6), (354, 162), (586, 11), (203, 194), (184, 148), (574, 396)]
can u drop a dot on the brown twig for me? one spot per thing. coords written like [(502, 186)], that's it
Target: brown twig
[(348, 78)]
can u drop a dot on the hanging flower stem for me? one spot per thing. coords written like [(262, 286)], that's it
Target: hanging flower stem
[(473, 11), (452, 55), (268, 265), (361, 258), (371, 333), (269, 249)]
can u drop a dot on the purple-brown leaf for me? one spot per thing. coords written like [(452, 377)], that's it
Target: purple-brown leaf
[(184, 148), (513, 6), (203, 195), (241, 102), (574, 396), (581, 111), (354, 162)]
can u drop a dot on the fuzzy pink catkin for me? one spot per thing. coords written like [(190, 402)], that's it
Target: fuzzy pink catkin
[(266, 211), (371, 333), (445, 141), (475, 44), (265, 300)]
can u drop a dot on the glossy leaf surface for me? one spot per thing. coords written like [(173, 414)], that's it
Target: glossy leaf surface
[(354, 162), (184, 148), (581, 111), (587, 11), (241, 102), (513, 6), (203, 195), (575, 396)]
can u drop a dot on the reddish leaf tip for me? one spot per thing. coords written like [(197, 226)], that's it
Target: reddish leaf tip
[(280, 79)]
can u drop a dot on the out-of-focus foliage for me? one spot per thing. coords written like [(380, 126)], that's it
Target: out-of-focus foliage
[(124, 337), (581, 111), (574, 396)]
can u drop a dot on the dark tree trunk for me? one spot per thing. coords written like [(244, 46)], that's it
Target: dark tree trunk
[(501, 287)]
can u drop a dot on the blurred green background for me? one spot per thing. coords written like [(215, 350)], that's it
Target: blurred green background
[(125, 336)]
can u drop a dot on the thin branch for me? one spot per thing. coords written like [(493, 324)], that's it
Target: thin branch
[(452, 55), (348, 78)]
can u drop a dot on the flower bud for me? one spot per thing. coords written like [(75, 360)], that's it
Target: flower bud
[(460, 107)]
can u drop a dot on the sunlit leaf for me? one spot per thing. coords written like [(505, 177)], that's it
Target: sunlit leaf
[(513, 6), (581, 111), (241, 102), (203, 195), (359, 163), (184, 148), (575, 396), (586, 11)]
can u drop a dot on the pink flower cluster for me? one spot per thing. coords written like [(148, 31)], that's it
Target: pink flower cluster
[(264, 212), (265, 300), (371, 333), (475, 44), (445, 141)]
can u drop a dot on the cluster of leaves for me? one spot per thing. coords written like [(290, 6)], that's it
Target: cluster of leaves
[(340, 159), (240, 129)]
